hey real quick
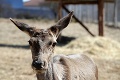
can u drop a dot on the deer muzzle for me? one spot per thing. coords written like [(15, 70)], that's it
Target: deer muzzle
[(39, 65)]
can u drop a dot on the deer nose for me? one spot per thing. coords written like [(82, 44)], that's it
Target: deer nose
[(38, 64)]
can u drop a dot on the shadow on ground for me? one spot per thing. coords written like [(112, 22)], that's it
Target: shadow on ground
[(14, 46), (62, 42), (113, 27)]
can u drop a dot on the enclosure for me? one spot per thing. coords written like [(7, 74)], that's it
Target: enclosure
[(16, 57)]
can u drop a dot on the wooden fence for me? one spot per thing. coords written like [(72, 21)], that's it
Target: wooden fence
[(88, 13)]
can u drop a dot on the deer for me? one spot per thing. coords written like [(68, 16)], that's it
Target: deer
[(48, 66)]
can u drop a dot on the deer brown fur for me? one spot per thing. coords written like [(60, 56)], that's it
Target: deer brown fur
[(60, 67)]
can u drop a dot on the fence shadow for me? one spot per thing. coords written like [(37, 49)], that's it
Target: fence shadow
[(113, 27), (65, 40), (14, 46)]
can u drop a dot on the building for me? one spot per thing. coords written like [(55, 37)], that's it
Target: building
[(17, 9), (12, 3)]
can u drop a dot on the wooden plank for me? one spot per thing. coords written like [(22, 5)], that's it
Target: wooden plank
[(81, 0), (100, 17), (59, 17), (78, 21), (60, 10)]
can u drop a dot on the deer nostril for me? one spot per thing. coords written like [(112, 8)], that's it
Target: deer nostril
[(38, 64)]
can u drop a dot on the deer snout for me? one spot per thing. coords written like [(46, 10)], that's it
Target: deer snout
[(38, 65)]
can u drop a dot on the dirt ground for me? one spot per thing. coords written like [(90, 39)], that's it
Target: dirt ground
[(15, 55)]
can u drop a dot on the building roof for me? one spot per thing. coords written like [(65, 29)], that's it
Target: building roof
[(34, 2)]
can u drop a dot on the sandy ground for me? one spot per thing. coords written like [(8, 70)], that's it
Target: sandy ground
[(15, 55)]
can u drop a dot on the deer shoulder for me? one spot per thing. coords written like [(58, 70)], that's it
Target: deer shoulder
[(76, 67)]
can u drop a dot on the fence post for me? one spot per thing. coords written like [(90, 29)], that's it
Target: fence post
[(100, 17)]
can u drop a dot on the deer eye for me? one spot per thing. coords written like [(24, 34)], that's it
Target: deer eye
[(30, 43), (54, 44), (50, 43)]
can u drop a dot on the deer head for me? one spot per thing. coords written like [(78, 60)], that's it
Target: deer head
[(43, 41)]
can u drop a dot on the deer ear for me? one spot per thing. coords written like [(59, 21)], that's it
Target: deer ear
[(24, 27), (61, 24)]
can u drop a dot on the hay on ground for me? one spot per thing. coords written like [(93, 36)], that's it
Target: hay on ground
[(98, 46)]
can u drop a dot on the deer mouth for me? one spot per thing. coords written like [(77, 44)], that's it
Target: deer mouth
[(39, 70)]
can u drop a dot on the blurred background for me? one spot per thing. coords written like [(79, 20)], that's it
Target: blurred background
[(104, 47)]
